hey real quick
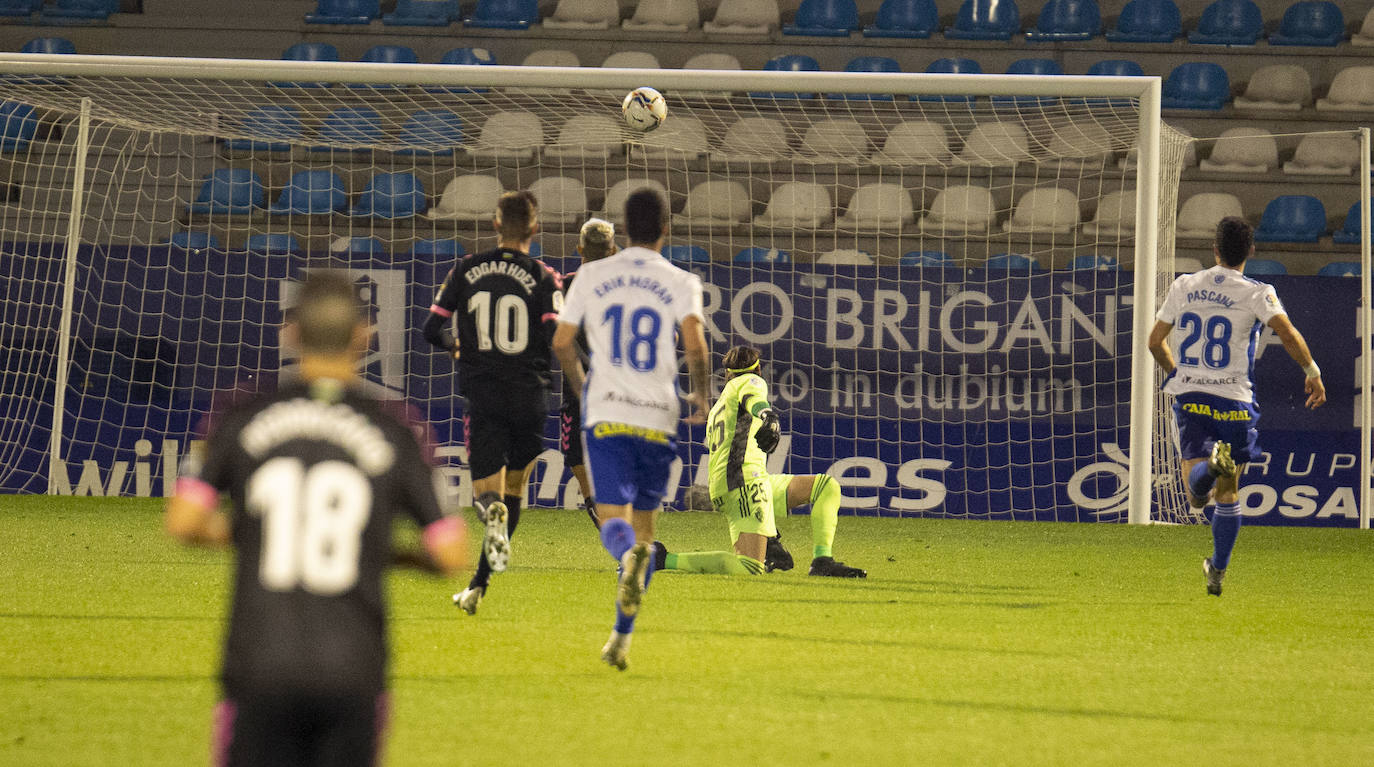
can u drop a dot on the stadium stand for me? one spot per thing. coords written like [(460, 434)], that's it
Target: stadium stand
[(1197, 85), (1013, 262), (1094, 263), (587, 137), (960, 210), (274, 128), (311, 52), (824, 18), (1292, 218), (312, 192), (664, 16), (1115, 216), (753, 139), (952, 66), (996, 143), (926, 258), (631, 60), (230, 191), (613, 207), (49, 45), (868, 64), (18, 125), (1349, 233), (62, 10), (1310, 22), (562, 201), (345, 12), (1277, 87), (715, 203), (760, 255), (915, 142), (839, 141), (442, 247), (1116, 68), (431, 132), (391, 195), (276, 243), (797, 205), (470, 197), (744, 17), (1265, 266), (844, 257), (1365, 36), (512, 135), (19, 8), (913, 19), (584, 15), (1229, 22), (349, 125), (1243, 150), (1352, 90), (1066, 20), (1046, 210), (1199, 214), (789, 62), (503, 14), (683, 138), (1147, 21), (1325, 155), (687, 254), (878, 206), (1340, 269), (985, 20), (422, 13), (359, 246), (192, 241)]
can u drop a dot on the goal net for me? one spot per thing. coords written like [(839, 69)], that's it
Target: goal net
[(942, 271)]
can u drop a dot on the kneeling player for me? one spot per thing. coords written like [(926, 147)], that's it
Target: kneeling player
[(741, 430)]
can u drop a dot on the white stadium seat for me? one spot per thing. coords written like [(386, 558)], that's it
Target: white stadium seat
[(589, 136), (468, 197), (584, 14), (960, 210), (753, 139), (845, 257), (744, 17), (878, 206), (716, 61), (613, 208), (1079, 144), (1115, 215), (996, 143), (797, 205), (631, 60), (549, 57), (1197, 219), (1352, 90), (1366, 34), (1325, 156), (680, 137), (837, 140), (1243, 150), (562, 200), (715, 203), (665, 16), (1277, 88), (915, 142), (1046, 210), (509, 135)]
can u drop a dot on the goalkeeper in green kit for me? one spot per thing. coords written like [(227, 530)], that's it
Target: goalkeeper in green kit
[(741, 430)]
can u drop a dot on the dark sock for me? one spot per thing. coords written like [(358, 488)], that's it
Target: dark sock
[(512, 514), (482, 578), (1225, 528)]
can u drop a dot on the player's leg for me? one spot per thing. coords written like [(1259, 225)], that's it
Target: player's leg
[(1242, 439), (570, 443), (1205, 456), (255, 730), (750, 527), (352, 731), (822, 493), (488, 441)]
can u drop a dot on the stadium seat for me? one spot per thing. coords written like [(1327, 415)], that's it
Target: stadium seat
[(912, 19), (1077, 144), (1340, 269), (551, 57), (844, 257), (1365, 36), (687, 254), (18, 124), (1013, 262), (230, 191), (1199, 214), (952, 67), (431, 132), (471, 197), (996, 143), (716, 203), (664, 16), (1066, 20), (562, 200), (440, 247), (388, 54), (1292, 218), (681, 138), (1229, 22), (878, 207), (1187, 265), (1350, 231), (274, 244), (1034, 68), (757, 255), (1325, 155), (311, 52), (824, 18), (1243, 150), (1148, 21), (868, 64), (716, 61), (753, 139), (473, 57), (925, 258), (797, 205), (350, 128), (584, 15), (358, 246), (193, 241), (391, 195), (985, 20), (510, 135), (1115, 216), (789, 63), (960, 210), (503, 14), (49, 45), (1045, 210), (915, 142), (631, 60), (78, 9), (422, 13), (1352, 90), (840, 140), (1310, 22), (312, 192), (344, 12), (1094, 264), (744, 17), (1197, 85), (19, 8), (268, 129), (1277, 87), (1116, 68), (1189, 150), (587, 136), (613, 207), (1258, 266)]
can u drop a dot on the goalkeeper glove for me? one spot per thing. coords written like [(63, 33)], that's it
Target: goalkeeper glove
[(769, 433)]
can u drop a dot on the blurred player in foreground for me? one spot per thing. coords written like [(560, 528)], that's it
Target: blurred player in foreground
[(314, 473), (633, 305), (742, 430), (1221, 312), (595, 242)]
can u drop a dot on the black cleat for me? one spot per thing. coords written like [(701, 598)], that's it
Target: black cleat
[(660, 553), (589, 506), (775, 557), (1214, 577), (829, 568)]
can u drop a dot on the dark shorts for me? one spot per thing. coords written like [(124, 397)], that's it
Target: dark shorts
[(1204, 419), (570, 432), (281, 729), (503, 429), (629, 464)]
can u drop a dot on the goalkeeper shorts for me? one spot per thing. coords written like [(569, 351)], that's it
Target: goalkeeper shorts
[(755, 507)]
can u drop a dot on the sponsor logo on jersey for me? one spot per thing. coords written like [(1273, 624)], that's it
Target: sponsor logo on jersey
[(1216, 414), (612, 429)]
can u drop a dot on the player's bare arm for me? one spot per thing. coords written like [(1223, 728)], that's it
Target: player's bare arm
[(1296, 346), (698, 369), (569, 357), (193, 518), (1159, 346)]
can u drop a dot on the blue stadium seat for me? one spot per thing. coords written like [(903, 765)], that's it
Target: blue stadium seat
[(443, 247), (1229, 22), (422, 13), (311, 52), (192, 241), (1349, 233), (1062, 20), (272, 128), (350, 125), (468, 57), (913, 19), (1148, 21), (1117, 68), (431, 132), (504, 14), (952, 67), (985, 20), (824, 18), (1094, 264), (230, 191), (1034, 67), (789, 63), (1340, 269), (758, 255), (1255, 266), (922, 258), (277, 243), (390, 54), (79, 9), (1292, 218), (360, 246), (19, 8), (53, 45), (1197, 85), (344, 12), (687, 254), (312, 192), (1310, 22), (391, 195), (17, 126), (1013, 262), (869, 64)]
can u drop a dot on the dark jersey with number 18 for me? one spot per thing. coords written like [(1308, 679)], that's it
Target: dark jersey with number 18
[(315, 472)]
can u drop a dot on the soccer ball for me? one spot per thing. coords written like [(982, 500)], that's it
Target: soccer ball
[(644, 109)]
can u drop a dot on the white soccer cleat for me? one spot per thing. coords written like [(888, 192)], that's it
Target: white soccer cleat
[(469, 599), (1214, 577), (633, 566), (496, 541), (617, 650), (1220, 463)]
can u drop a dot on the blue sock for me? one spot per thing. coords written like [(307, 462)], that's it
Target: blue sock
[(617, 536), (1225, 528), (624, 624), (1200, 481)]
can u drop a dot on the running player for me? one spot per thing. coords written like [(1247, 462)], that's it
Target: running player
[(314, 473), (632, 306), (506, 303), (595, 242), (742, 430), (1220, 312)]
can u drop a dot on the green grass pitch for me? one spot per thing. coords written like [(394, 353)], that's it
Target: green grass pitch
[(979, 643)]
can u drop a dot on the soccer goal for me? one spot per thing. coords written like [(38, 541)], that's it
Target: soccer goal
[(950, 276)]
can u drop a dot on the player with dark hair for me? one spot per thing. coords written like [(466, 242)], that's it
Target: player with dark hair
[(314, 473), (633, 306), (1221, 312), (506, 304), (595, 242), (742, 429)]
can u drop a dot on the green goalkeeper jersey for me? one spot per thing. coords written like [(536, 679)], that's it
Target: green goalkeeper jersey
[(730, 431)]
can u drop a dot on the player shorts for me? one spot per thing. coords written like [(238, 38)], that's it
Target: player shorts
[(755, 507), (503, 428), (570, 432), (263, 730), (1204, 419), (629, 464)]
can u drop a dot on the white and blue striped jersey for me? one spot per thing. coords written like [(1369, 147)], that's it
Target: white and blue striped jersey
[(630, 305), (1217, 315)]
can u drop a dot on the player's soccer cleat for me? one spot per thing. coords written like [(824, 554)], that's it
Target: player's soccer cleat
[(633, 567), (589, 506), (775, 557), (617, 650), (469, 599), (1220, 463), (829, 568), (660, 556), (496, 542), (1214, 577)]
